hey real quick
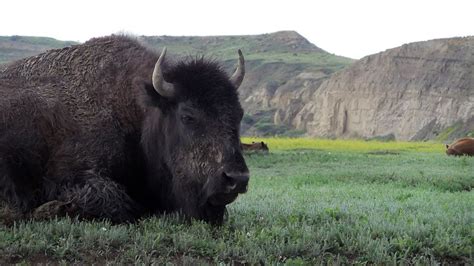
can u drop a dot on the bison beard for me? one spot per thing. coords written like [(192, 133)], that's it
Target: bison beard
[(107, 130)]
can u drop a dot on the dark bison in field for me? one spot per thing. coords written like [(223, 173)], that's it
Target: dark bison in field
[(255, 147), (464, 146), (107, 129)]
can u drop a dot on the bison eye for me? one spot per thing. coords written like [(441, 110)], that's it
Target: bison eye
[(186, 119)]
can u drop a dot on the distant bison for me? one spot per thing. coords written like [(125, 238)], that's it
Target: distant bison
[(255, 146), (464, 146), (106, 129)]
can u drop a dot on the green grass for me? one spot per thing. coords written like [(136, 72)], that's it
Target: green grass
[(309, 202)]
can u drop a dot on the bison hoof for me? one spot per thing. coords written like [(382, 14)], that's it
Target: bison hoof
[(51, 209)]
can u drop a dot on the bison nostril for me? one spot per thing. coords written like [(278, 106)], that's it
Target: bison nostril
[(236, 182)]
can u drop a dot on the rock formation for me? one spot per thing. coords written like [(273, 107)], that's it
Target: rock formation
[(412, 92)]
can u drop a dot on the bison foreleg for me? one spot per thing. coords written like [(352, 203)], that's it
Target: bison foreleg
[(52, 209), (101, 198), (20, 187)]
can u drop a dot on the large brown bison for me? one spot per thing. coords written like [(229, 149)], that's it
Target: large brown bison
[(464, 146), (107, 129)]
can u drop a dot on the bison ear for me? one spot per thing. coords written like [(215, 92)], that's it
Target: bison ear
[(147, 96), (447, 146)]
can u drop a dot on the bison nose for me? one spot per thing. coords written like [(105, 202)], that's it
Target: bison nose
[(236, 182)]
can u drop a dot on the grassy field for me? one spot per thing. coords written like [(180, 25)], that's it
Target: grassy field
[(285, 144), (309, 201)]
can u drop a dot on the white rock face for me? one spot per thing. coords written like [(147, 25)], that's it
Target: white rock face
[(411, 92)]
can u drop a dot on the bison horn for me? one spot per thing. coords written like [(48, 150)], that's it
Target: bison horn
[(163, 88), (239, 73)]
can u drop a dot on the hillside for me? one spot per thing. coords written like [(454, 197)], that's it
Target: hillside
[(278, 65), (283, 46), (17, 47), (418, 91)]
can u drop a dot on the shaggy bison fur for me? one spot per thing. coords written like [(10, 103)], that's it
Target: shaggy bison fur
[(107, 129), (464, 146)]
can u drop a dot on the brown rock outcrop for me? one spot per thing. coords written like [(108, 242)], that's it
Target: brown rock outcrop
[(411, 92)]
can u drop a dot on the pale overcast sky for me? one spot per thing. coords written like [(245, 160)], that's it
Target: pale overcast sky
[(352, 28)]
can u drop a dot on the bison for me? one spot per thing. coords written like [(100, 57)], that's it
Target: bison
[(464, 146), (255, 147), (109, 130)]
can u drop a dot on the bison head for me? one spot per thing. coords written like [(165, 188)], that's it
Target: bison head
[(451, 151), (191, 137)]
